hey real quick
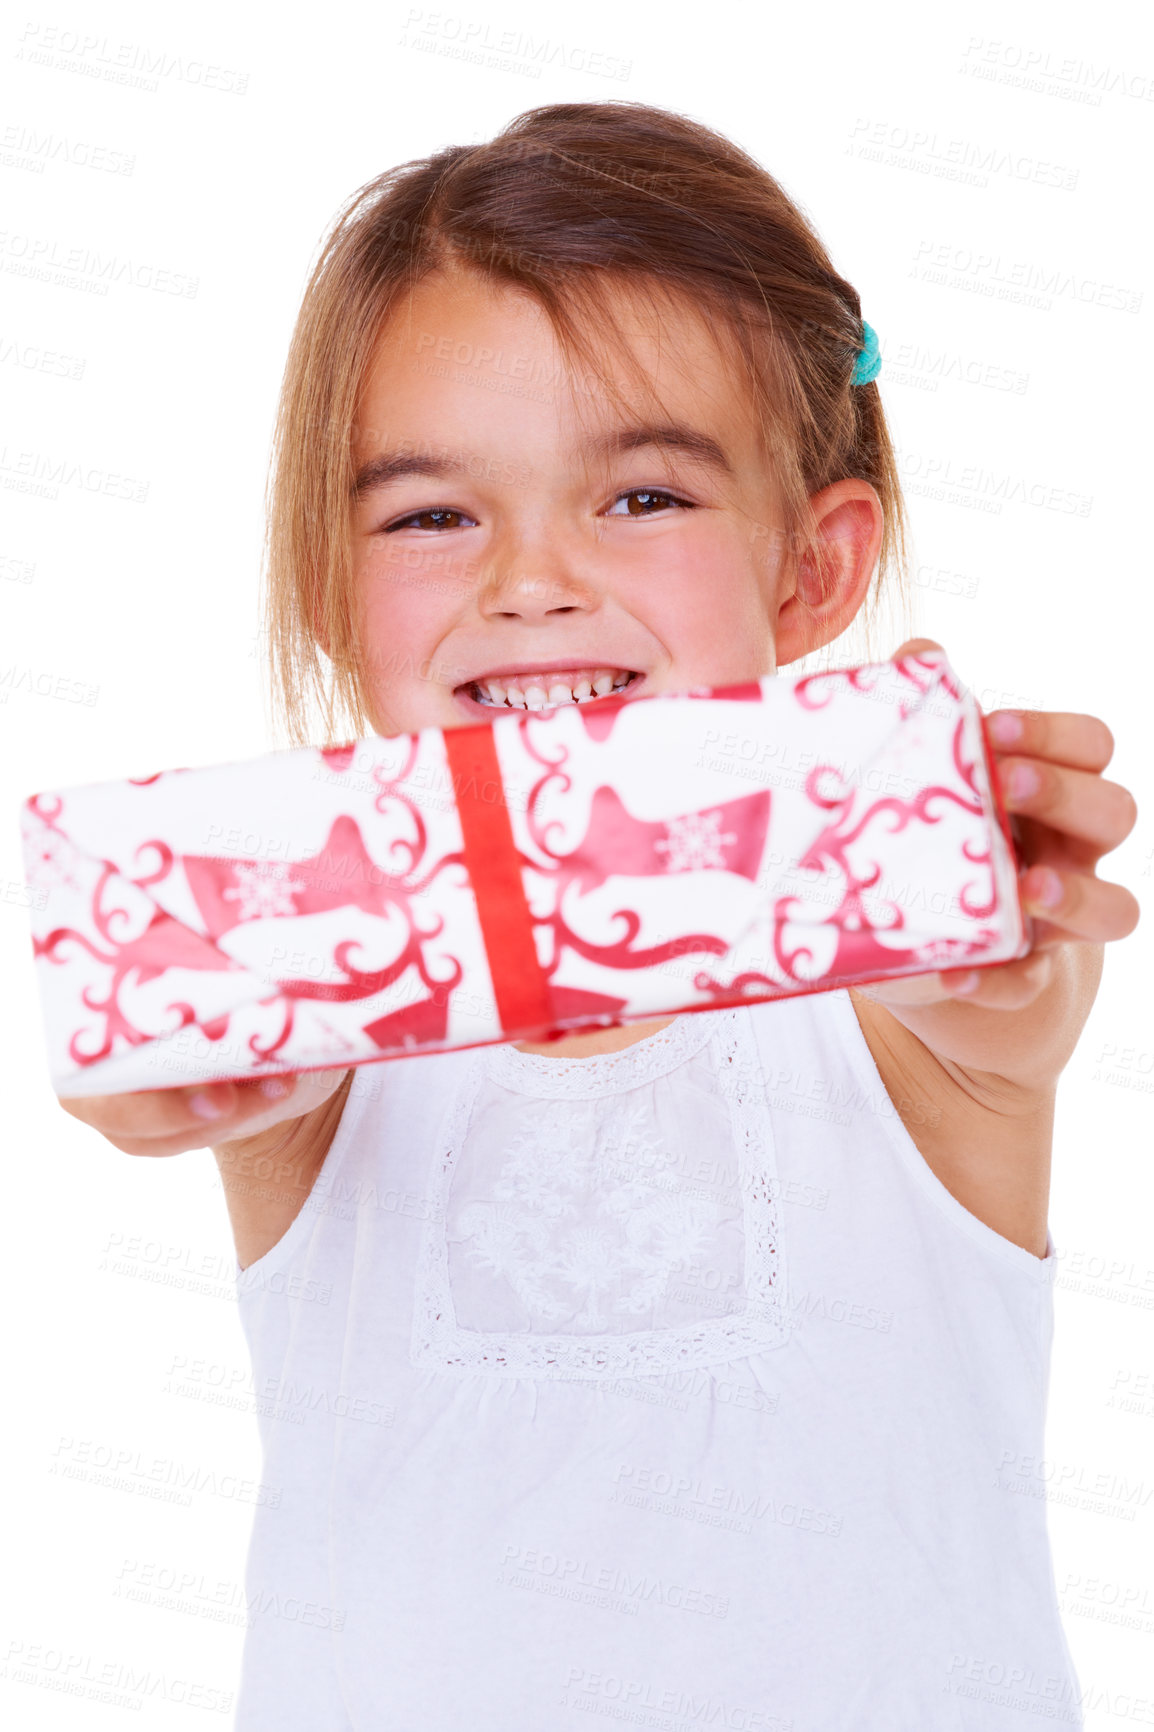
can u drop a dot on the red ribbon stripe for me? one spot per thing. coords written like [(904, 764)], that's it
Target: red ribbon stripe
[(519, 985)]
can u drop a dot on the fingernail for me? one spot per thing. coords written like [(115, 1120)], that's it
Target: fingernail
[(1045, 888), (1006, 727), (204, 1106), (967, 983), (275, 1088), (1023, 781)]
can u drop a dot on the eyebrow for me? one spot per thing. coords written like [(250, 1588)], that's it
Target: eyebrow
[(667, 436), (395, 465), (390, 466)]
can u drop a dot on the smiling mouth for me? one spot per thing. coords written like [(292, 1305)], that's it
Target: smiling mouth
[(547, 691)]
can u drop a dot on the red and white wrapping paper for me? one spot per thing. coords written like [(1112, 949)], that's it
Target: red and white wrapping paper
[(548, 871)]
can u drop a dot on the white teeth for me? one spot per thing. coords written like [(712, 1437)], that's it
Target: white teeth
[(536, 695)]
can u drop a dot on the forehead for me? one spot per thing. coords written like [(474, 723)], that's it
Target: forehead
[(462, 353)]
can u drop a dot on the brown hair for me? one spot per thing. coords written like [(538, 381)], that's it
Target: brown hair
[(566, 202)]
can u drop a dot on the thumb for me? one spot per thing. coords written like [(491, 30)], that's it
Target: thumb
[(914, 645)]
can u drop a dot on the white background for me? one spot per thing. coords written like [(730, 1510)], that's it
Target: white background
[(878, 121)]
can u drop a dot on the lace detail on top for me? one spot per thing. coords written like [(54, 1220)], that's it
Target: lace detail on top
[(574, 1223), (534, 1073)]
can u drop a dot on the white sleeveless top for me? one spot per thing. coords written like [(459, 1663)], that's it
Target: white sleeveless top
[(668, 1386)]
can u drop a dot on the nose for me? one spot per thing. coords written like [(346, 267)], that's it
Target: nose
[(524, 586)]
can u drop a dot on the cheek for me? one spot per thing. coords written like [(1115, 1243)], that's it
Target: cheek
[(430, 567), (713, 616), (405, 606)]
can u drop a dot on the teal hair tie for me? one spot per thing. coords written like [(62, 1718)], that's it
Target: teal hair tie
[(869, 359)]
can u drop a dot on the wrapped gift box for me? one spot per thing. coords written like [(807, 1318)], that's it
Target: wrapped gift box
[(549, 871)]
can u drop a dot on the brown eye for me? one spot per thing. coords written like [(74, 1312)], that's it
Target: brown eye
[(644, 502), (437, 517)]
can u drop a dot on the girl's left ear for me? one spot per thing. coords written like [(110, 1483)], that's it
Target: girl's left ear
[(834, 570)]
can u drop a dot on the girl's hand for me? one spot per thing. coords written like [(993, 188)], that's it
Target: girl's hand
[(170, 1121), (1049, 769)]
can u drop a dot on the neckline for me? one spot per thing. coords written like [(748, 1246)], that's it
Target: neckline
[(604, 1072)]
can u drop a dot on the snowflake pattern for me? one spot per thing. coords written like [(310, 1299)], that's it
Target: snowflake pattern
[(695, 842), (581, 1224), (944, 952), (263, 889), (54, 858)]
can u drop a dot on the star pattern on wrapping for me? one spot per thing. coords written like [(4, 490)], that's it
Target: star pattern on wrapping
[(695, 842)]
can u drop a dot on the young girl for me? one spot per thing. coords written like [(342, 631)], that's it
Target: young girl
[(583, 408)]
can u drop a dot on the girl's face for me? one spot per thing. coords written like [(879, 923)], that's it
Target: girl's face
[(522, 541)]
